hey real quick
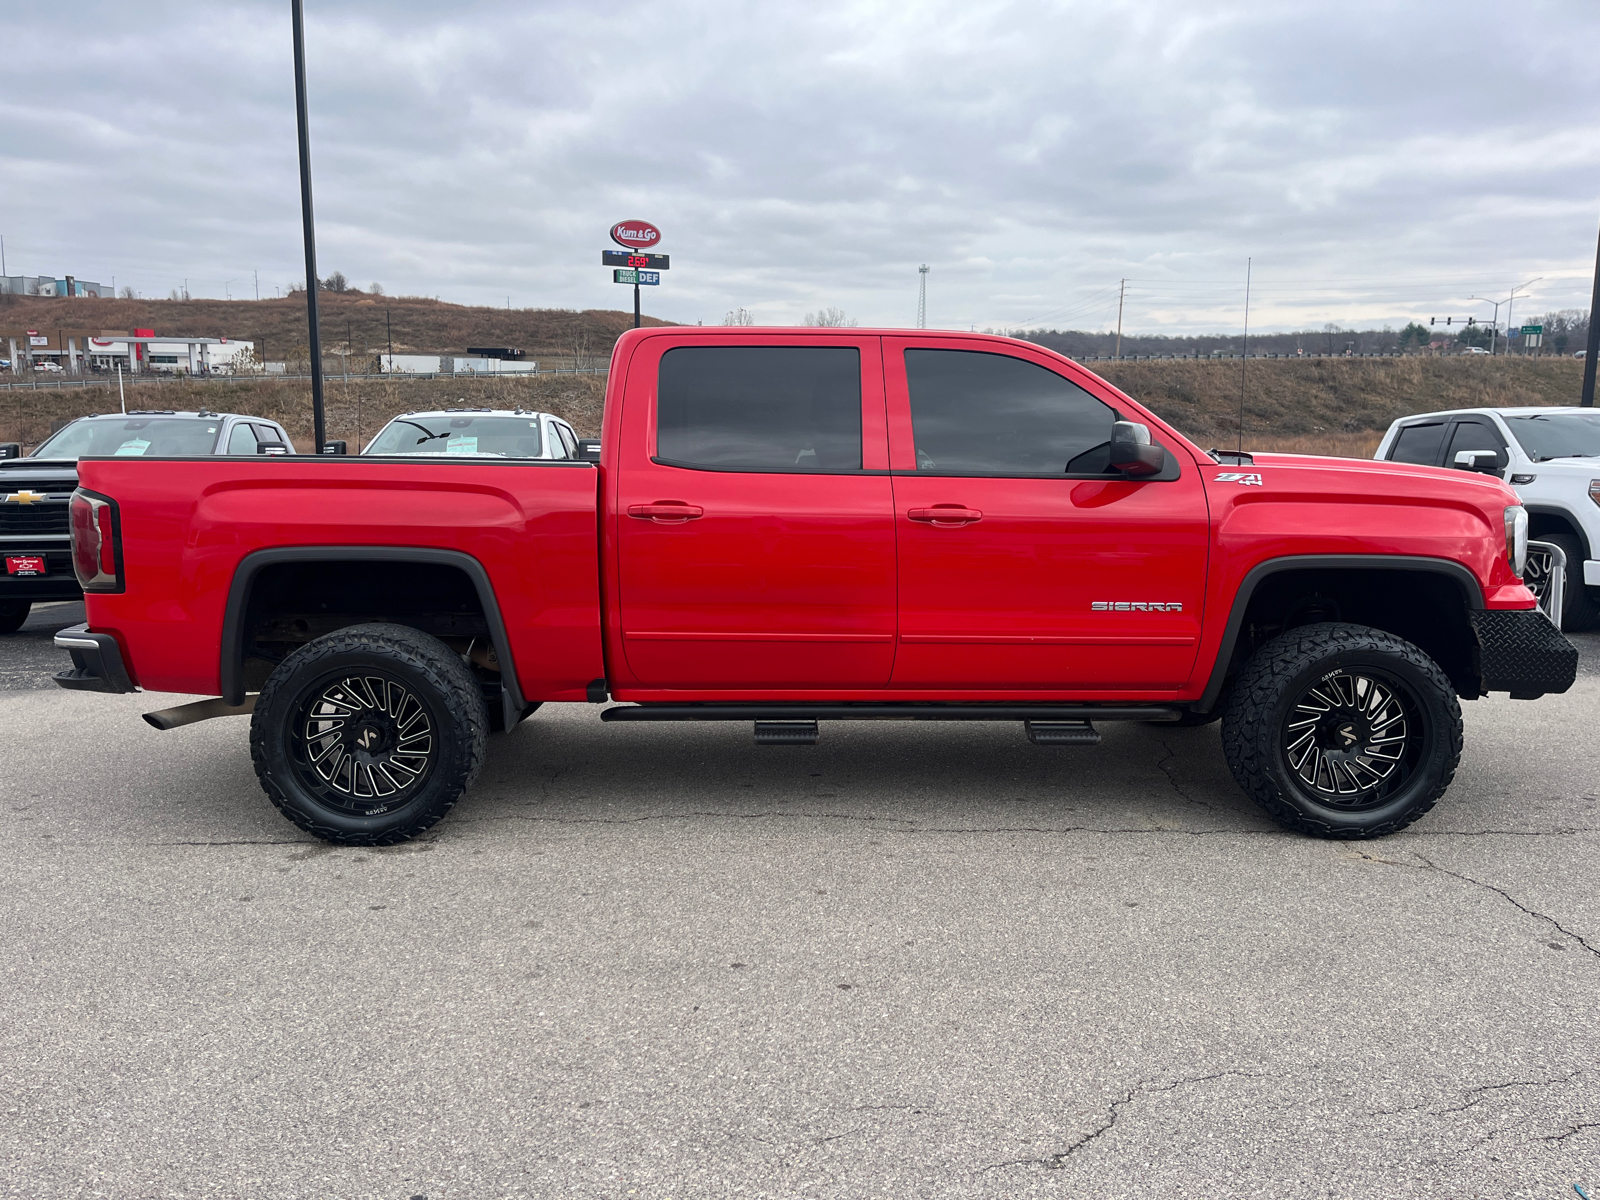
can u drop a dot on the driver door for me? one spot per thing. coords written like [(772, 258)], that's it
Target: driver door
[(1025, 563)]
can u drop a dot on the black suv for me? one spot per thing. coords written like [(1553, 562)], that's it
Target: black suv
[(34, 491)]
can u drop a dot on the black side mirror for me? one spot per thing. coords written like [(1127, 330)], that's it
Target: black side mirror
[(1131, 451), (589, 449), (10, 449), (335, 447), (271, 448), (1486, 461)]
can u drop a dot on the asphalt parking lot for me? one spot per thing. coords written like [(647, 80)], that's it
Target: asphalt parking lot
[(911, 961)]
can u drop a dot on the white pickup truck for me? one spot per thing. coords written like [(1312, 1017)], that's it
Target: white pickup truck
[(1551, 456)]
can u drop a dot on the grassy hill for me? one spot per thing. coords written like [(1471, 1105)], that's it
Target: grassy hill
[(1326, 405)]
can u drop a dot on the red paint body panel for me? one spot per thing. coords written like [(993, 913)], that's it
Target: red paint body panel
[(808, 586), (187, 524)]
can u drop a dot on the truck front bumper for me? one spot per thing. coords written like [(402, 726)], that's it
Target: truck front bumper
[(1521, 652), (96, 662)]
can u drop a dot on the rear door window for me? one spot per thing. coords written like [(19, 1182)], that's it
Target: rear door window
[(976, 413), (1418, 444), (760, 408)]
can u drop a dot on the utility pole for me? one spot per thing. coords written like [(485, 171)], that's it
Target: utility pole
[(922, 296), (388, 324), (1593, 349), (1244, 357), (3, 270), (319, 422), (254, 274), (1122, 290)]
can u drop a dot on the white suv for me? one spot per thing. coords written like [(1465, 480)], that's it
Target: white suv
[(477, 433), (1551, 456)]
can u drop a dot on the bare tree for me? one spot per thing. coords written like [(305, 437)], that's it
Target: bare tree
[(831, 317), (375, 289), (740, 316), (336, 282), (129, 294)]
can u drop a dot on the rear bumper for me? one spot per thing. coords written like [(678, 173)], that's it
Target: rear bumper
[(96, 662), (1521, 652)]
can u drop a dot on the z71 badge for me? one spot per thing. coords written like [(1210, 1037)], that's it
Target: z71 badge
[(1247, 478)]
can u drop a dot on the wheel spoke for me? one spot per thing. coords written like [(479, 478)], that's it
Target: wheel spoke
[(1346, 738)]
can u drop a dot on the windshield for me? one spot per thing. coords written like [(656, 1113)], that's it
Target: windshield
[(1558, 435), (503, 437), (155, 437)]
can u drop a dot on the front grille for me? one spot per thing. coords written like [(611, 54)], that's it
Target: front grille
[(35, 519)]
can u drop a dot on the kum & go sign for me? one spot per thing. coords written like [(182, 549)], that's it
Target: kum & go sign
[(636, 235)]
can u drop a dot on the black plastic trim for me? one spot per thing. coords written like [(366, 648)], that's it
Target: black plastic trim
[(97, 664), (1468, 582), (873, 711), (232, 666)]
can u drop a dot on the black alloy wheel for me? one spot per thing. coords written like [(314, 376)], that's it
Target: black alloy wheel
[(1342, 731), (361, 741), (1354, 738), (368, 736)]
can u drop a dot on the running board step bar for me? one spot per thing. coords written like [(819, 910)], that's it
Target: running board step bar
[(1076, 714)]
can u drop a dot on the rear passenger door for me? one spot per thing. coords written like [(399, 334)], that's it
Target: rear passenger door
[(753, 516)]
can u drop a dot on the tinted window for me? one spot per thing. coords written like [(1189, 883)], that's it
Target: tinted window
[(1475, 435), (494, 437), (1418, 444), (763, 408), (979, 413), (1558, 435), (242, 440)]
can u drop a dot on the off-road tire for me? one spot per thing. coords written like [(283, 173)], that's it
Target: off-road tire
[(1578, 607), (406, 661), (1256, 729), (12, 614)]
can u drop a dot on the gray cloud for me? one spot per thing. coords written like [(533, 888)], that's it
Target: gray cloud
[(1379, 162)]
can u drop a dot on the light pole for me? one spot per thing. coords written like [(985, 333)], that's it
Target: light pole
[(1507, 302), (225, 284)]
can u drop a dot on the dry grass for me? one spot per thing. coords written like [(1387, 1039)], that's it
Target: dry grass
[(362, 404), (1319, 406)]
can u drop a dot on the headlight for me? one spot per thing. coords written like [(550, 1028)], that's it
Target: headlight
[(1517, 538)]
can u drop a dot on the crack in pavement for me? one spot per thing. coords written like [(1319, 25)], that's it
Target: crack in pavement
[(1057, 1161), (1429, 865), (1478, 1095), (1570, 1131), (1161, 765)]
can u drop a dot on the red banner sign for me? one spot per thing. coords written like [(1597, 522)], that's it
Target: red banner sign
[(636, 235)]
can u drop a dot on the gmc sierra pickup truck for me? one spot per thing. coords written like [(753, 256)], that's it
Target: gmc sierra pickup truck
[(793, 526)]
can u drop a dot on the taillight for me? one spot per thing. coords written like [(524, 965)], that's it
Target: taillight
[(96, 542)]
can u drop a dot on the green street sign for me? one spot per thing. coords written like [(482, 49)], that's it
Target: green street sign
[(1533, 329)]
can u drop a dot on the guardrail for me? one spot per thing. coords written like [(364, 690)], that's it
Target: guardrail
[(145, 378)]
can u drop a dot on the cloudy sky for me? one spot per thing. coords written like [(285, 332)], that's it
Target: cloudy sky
[(1377, 161)]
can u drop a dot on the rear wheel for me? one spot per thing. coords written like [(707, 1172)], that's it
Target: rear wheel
[(369, 736), (12, 614), (1341, 731)]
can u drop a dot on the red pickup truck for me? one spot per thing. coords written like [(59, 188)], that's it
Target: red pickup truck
[(791, 526)]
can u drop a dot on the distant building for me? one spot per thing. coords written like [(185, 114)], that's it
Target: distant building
[(46, 285), (77, 351)]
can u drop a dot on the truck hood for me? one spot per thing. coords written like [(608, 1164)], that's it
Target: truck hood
[(1344, 468)]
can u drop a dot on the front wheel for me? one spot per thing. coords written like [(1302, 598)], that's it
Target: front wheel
[(12, 614), (1340, 731), (368, 736)]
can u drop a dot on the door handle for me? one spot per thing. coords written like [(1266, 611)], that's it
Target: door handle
[(666, 512), (946, 514)]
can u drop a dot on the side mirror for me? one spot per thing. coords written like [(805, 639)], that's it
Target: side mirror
[(1478, 460), (334, 447), (589, 449), (271, 448), (10, 449), (1131, 451)]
